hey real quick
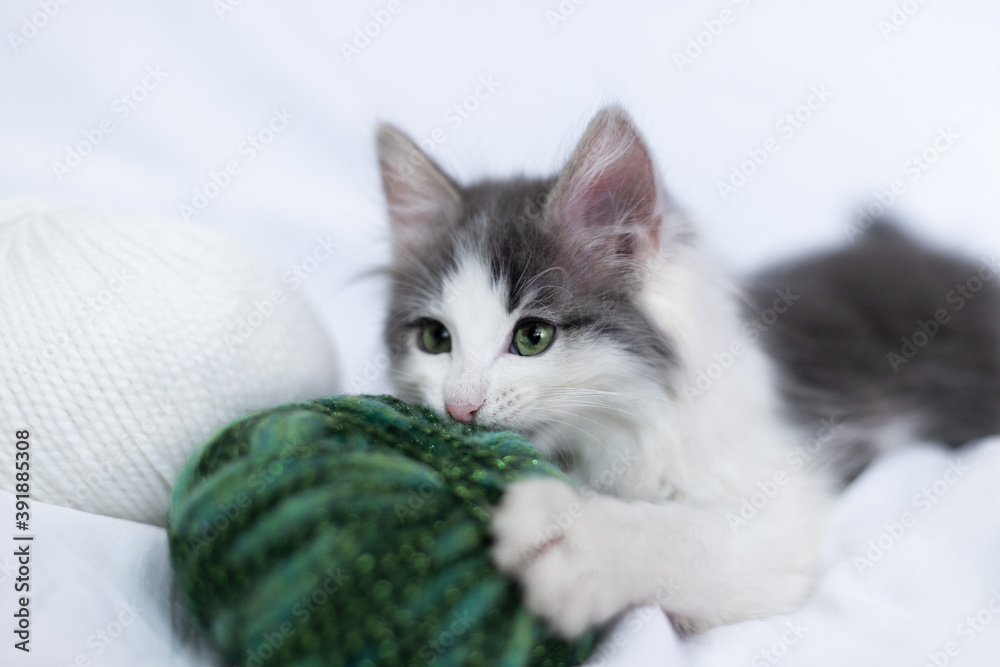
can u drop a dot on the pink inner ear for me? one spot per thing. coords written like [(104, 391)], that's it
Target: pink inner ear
[(610, 197), (420, 196), (409, 205)]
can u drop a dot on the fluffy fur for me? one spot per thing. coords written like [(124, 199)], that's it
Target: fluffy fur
[(894, 341), (696, 484)]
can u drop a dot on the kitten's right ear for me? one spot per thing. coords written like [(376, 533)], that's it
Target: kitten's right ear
[(420, 196), (608, 198)]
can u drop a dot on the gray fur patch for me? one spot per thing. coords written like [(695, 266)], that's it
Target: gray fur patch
[(888, 332)]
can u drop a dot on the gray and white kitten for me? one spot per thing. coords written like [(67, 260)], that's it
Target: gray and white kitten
[(580, 311)]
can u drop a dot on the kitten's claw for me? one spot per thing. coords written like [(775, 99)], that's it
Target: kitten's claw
[(554, 542)]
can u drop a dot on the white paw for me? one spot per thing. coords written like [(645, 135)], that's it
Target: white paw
[(561, 548)]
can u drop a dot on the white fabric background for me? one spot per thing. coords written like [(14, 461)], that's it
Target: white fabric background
[(226, 75)]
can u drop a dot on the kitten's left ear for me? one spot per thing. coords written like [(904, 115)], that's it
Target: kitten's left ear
[(421, 197), (608, 197)]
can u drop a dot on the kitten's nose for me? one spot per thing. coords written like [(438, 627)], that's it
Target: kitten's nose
[(463, 413)]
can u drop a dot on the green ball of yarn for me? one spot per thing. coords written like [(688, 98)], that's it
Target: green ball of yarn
[(354, 530)]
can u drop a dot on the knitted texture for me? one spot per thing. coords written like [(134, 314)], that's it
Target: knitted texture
[(354, 530), (122, 351)]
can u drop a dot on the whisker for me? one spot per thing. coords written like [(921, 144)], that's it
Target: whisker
[(587, 433)]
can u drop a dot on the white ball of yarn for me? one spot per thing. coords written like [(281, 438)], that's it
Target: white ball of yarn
[(127, 341)]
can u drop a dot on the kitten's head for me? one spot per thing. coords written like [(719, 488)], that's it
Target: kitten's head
[(514, 303)]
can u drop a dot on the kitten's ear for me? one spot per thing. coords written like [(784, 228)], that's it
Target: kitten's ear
[(608, 197), (420, 196)]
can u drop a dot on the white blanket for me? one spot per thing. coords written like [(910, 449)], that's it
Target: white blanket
[(164, 99), (913, 579)]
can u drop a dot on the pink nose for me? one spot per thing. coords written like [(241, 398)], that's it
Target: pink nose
[(463, 413)]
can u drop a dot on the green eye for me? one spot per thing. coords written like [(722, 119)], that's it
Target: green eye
[(434, 338), (532, 337)]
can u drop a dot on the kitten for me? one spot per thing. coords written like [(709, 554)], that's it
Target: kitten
[(581, 311)]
